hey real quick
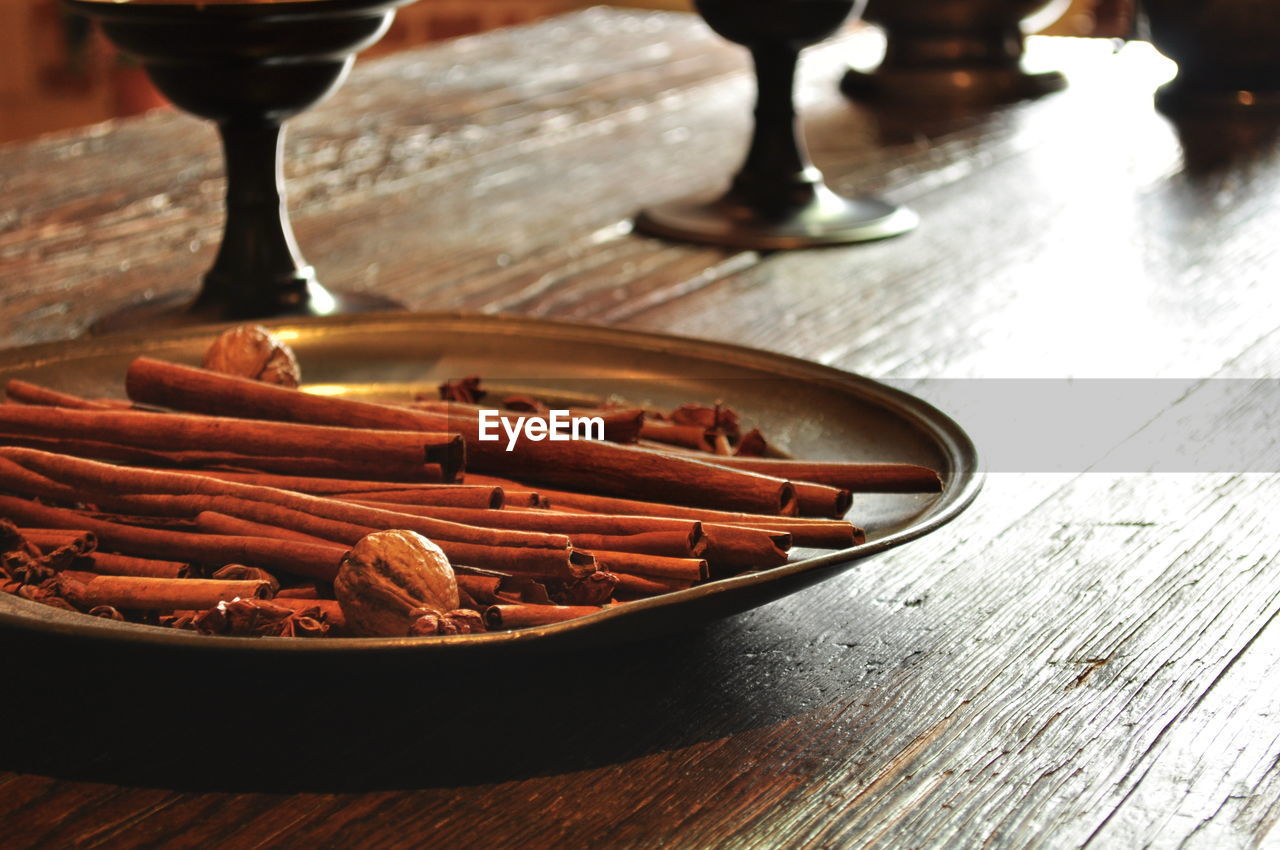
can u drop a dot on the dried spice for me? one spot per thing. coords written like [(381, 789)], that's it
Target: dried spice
[(46, 593), (524, 404), (22, 564), (461, 621), (354, 533), (238, 572), (391, 579), (595, 589), (184, 620), (752, 444), (20, 567), (260, 618), (252, 351), (465, 390), (12, 540), (719, 419), (522, 590), (106, 612)]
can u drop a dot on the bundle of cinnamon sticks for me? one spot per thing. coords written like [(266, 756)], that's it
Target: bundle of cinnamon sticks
[(227, 505)]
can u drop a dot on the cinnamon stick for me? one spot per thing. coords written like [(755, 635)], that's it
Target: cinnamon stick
[(28, 393), (671, 544), (632, 586), (187, 432), (283, 520), (596, 466), (453, 495), (305, 559), (217, 523), (805, 531), (463, 496), (89, 590), (301, 591), (15, 478), (821, 500), (48, 539), (525, 616), (731, 549), (408, 473), (570, 524), (549, 562), (685, 570), (482, 589), (500, 498), (111, 564), (687, 436), (856, 477), (103, 480), (812, 499), (683, 540)]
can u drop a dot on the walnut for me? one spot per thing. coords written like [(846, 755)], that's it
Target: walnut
[(392, 579), (252, 351)]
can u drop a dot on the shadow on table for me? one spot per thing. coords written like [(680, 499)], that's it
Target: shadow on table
[(245, 724), (1218, 144)]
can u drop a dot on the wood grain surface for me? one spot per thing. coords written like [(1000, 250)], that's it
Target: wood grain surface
[(1083, 659)]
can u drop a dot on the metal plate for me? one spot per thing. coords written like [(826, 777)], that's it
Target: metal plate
[(808, 410)]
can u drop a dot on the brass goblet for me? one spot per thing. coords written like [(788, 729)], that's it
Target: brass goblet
[(968, 51), (247, 65), (778, 199), (1226, 55)]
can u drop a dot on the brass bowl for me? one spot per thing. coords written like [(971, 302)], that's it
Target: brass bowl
[(812, 410), (954, 50), (1225, 50)]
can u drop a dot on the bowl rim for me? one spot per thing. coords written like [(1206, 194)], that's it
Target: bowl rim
[(965, 478)]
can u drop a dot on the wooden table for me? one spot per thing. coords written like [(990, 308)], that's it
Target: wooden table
[(1082, 659)]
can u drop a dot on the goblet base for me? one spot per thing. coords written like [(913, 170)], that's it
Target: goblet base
[(1179, 97), (828, 219), (178, 311), (977, 85)]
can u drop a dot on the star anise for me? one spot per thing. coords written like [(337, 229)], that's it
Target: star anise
[(260, 618), (465, 390), (594, 589)]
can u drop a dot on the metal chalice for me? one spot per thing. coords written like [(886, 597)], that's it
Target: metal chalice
[(946, 51), (778, 199), (247, 66), (1227, 55)]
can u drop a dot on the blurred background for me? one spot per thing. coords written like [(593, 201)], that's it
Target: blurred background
[(57, 72)]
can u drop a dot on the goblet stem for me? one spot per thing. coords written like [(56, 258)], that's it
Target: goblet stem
[(777, 200), (777, 173), (259, 270)]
